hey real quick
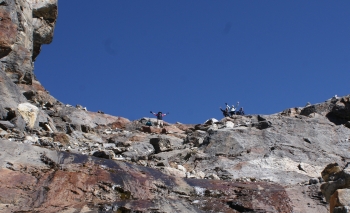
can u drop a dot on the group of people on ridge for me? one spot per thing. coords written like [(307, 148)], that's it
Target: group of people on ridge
[(230, 111)]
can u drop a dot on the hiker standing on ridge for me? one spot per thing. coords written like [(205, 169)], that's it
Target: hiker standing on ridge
[(232, 109), (160, 116), (224, 112), (227, 107), (241, 111)]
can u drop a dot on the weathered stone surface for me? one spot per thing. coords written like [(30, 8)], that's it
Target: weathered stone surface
[(331, 171), (196, 138), (138, 151), (104, 154), (341, 108), (341, 197), (6, 125), (337, 180), (8, 30), (90, 119), (44, 19), (62, 138), (172, 157), (16, 46), (69, 181), (29, 113), (10, 95), (163, 144), (173, 172), (342, 209)]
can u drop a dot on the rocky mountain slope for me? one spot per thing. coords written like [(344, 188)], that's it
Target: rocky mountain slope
[(59, 158)]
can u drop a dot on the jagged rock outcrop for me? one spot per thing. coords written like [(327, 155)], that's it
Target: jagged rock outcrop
[(336, 189), (37, 179), (24, 26)]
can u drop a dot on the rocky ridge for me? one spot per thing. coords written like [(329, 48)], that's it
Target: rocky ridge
[(61, 158)]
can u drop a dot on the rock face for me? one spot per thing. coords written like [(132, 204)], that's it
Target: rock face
[(336, 189), (37, 179), (24, 26), (60, 158)]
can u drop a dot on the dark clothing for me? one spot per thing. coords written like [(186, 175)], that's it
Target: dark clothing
[(225, 113), (240, 112), (159, 115), (233, 113)]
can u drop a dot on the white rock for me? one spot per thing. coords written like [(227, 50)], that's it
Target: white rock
[(199, 191), (229, 124), (174, 172), (211, 121), (200, 174), (33, 138), (213, 176), (29, 113), (181, 168)]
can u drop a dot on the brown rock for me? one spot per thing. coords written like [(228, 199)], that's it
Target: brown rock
[(149, 129), (330, 170), (8, 33), (341, 197), (120, 123), (62, 138)]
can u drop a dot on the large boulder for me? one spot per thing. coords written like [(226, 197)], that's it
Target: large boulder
[(138, 151), (16, 46), (341, 108), (335, 178), (340, 198), (342, 209), (88, 119), (196, 138), (165, 143), (29, 112)]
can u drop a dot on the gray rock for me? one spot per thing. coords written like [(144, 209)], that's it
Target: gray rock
[(45, 15), (196, 138), (93, 138), (103, 154), (139, 151), (109, 145), (6, 125), (313, 181), (46, 141), (165, 143), (262, 125), (342, 209), (175, 156)]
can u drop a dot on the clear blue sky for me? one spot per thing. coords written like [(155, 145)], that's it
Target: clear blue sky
[(190, 57)]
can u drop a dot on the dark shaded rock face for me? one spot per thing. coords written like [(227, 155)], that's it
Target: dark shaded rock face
[(24, 24), (35, 179)]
